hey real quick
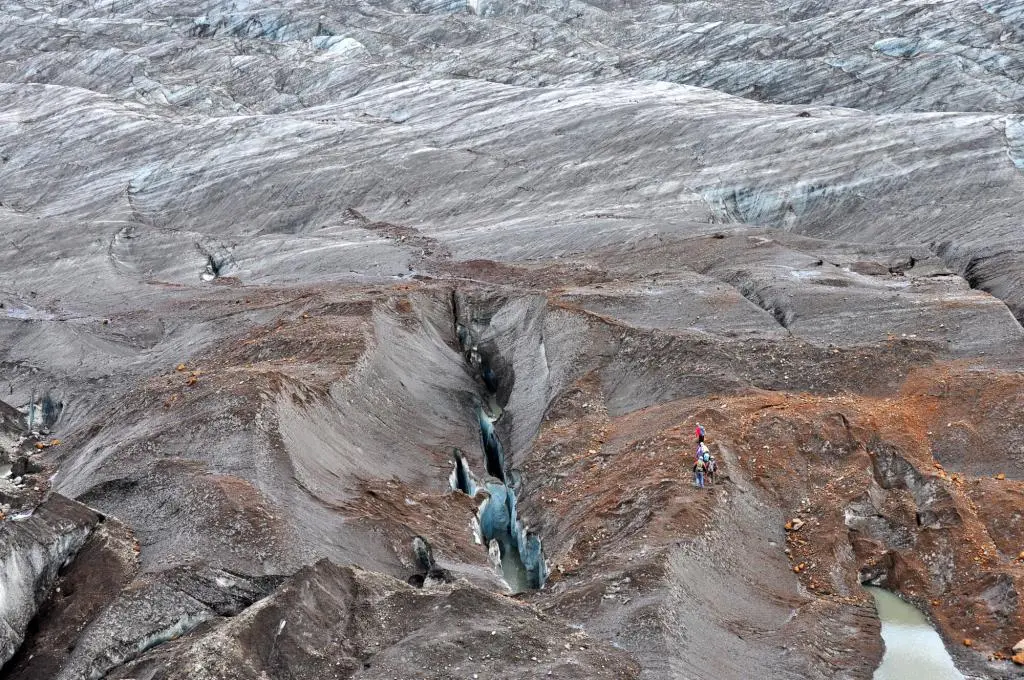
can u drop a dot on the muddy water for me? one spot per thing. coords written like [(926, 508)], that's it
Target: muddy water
[(913, 649)]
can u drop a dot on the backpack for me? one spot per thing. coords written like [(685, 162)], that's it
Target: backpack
[(698, 465)]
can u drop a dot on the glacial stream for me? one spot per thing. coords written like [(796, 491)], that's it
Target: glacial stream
[(517, 550), (912, 647)]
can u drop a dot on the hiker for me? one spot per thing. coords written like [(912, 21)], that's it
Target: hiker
[(703, 450), (710, 468), (698, 473), (703, 457), (699, 433)]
